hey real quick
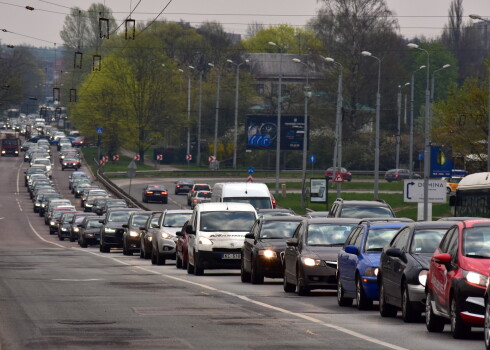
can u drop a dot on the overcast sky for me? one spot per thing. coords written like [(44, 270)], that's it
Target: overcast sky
[(416, 17)]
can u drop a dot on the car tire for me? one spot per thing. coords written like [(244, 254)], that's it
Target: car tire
[(459, 328), (104, 248), (178, 261), (257, 277), (72, 239), (363, 302), (434, 323), (153, 257), (190, 268), (410, 312), (142, 254), (61, 238), (83, 243), (160, 259), (341, 299), (486, 330), (125, 249), (244, 275), (301, 290), (288, 287), (198, 270), (385, 309)]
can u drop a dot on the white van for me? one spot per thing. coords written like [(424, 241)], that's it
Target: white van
[(216, 235), (254, 193)]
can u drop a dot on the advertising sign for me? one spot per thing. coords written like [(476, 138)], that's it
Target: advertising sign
[(318, 190), (413, 191), (262, 132), (441, 161)]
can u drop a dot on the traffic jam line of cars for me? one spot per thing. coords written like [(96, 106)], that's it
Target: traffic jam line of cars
[(358, 249)]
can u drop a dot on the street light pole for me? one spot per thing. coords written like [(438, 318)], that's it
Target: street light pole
[(217, 113), (411, 118), (279, 105), (427, 134), (305, 133), (188, 113), (376, 146), (433, 79), (198, 160), (398, 130), (235, 135)]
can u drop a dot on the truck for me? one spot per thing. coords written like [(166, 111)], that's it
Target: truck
[(10, 145)]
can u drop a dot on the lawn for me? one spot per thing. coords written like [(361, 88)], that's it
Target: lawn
[(90, 154)]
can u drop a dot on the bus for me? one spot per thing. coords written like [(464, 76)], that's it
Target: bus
[(13, 113), (472, 196)]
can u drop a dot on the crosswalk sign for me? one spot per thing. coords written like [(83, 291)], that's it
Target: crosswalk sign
[(338, 178)]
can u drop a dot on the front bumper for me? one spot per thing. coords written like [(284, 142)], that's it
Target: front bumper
[(321, 276), (167, 248), (218, 259), (370, 285), (416, 293)]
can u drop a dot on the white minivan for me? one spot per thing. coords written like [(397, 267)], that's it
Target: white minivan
[(216, 234), (253, 193)]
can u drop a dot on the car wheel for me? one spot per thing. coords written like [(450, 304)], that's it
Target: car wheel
[(103, 248), (410, 312), (72, 239), (142, 253), (459, 328), (301, 290), (288, 287), (178, 261), (363, 302), (83, 243), (160, 259), (385, 309), (244, 275), (257, 277), (487, 326), (190, 268), (341, 299), (433, 322), (198, 270), (153, 257), (125, 249)]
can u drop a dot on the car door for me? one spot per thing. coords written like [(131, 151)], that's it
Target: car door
[(248, 246), (291, 253), (347, 262), (393, 267), (452, 270)]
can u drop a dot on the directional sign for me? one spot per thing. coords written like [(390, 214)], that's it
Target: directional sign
[(132, 165), (131, 173), (413, 191), (115, 157), (137, 157), (99, 131), (159, 156), (338, 177), (250, 178), (312, 159), (250, 170), (211, 158), (188, 157)]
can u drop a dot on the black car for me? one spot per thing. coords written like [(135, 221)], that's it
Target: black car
[(111, 232), (145, 237), (400, 175), (360, 209), (114, 203), (310, 259), (75, 221), (132, 231), (64, 225), (89, 231), (404, 264), (263, 246), (183, 186), (275, 212), (98, 207), (154, 193)]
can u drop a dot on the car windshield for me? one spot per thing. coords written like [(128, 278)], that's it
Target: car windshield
[(237, 221), (377, 238), (93, 224), (67, 217), (426, 240), (79, 219), (257, 202), (476, 242), (327, 234), (119, 216), (278, 229), (366, 212), (139, 219), (116, 204), (176, 219)]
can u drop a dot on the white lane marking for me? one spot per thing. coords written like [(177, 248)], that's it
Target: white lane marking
[(40, 237), (2, 218), (76, 280), (264, 305)]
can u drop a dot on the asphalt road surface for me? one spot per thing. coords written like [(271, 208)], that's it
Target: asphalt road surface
[(55, 295)]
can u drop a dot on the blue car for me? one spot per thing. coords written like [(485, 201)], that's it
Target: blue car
[(358, 261)]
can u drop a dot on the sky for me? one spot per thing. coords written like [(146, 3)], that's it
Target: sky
[(41, 26)]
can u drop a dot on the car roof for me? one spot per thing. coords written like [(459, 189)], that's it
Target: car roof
[(282, 218), (366, 203), (431, 224), (340, 221), (225, 206), (178, 211)]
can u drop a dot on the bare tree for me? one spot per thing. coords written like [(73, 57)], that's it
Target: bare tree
[(253, 28)]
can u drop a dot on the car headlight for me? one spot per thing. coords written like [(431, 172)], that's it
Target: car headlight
[(267, 253), (166, 235), (371, 271), (52, 223), (205, 241), (64, 229), (310, 261), (76, 229), (37, 204), (109, 230), (475, 278), (134, 234), (87, 205), (423, 277), (149, 238), (89, 235), (43, 205), (65, 164)]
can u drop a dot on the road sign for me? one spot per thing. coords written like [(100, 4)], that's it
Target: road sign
[(338, 177), (250, 170), (131, 173), (312, 159), (413, 191), (137, 157), (188, 157), (159, 156), (115, 157), (250, 178), (132, 165), (211, 158), (99, 131)]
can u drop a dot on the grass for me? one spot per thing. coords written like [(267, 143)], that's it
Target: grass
[(332, 187), (111, 166)]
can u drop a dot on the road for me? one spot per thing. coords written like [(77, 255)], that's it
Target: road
[(55, 295)]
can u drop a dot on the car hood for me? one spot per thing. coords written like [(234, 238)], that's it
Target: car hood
[(92, 230), (372, 259), (277, 245), (170, 230), (478, 265), (324, 253), (115, 224)]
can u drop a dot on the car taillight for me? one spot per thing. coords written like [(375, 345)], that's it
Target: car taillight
[(164, 192), (194, 200), (177, 186), (149, 192), (396, 175)]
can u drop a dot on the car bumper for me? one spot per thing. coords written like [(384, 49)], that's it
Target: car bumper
[(271, 267), (416, 293), (218, 259), (319, 277), (370, 284), (162, 198), (92, 238), (112, 239), (167, 248)]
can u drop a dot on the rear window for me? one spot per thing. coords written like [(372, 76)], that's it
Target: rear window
[(202, 188), (366, 212), (234, 221), (257, 202), (176, 219)]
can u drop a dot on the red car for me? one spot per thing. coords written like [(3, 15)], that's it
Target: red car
[(457, 278), (73, 163), (332, 171), (181, 255)]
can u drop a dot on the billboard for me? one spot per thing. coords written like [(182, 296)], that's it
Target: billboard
[(441, 161), (262, 132), (318, 190)]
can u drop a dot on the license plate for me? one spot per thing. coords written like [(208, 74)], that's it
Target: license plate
[(231, 256)]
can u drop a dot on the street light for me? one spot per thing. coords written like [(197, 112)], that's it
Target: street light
[(427, 134), (307, 92), (188, 111), (398, 127), (235, 135), (376, 146), (217, 111), (278, 134), (337, 154), (410, 156), (433, 79)]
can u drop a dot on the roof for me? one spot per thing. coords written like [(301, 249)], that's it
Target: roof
[(475, 181), (340, 221), (225, 206), (356, 203), (282, 218)]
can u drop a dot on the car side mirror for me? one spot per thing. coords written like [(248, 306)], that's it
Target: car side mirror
[(101, 221), (179, 234), (292, 242), (250, 236), (142, 228), (189, 230), (396, 253), (351, 249), (443, 258), (125, 226)]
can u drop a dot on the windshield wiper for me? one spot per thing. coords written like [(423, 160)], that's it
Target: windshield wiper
[(374, 250), (476, 256)]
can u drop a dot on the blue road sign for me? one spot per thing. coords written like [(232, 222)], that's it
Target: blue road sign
[(99, 131), (312, 159), (250, 170), (259, 140)]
